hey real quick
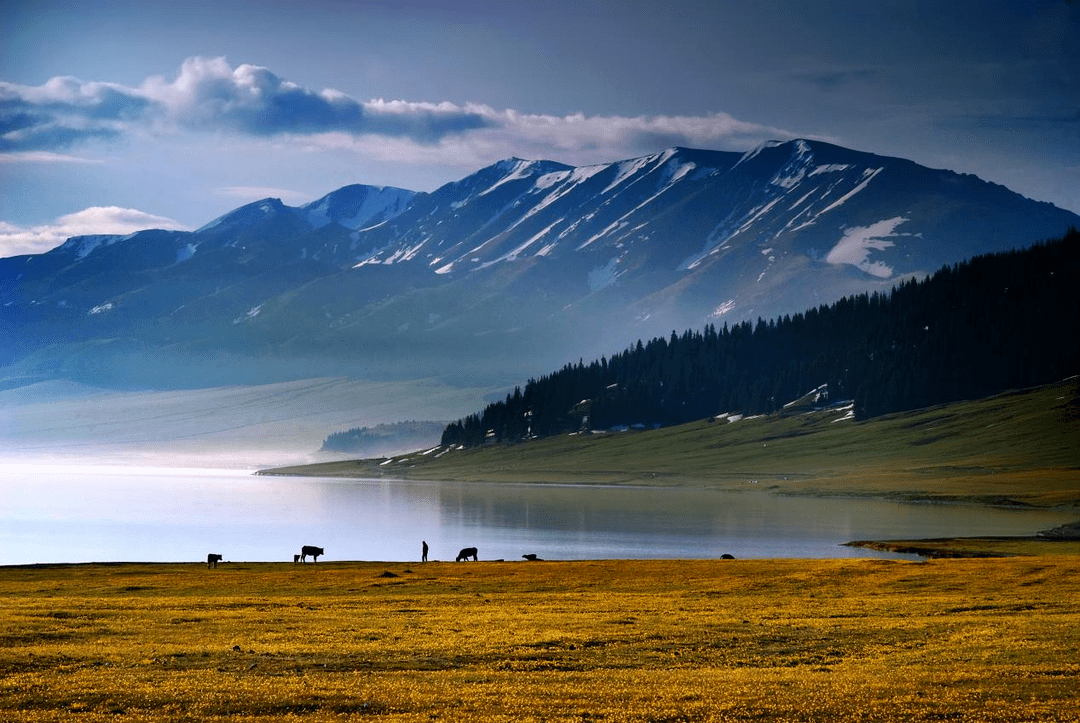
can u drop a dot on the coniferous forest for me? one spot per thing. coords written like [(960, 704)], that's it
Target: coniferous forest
[(372, 440), (995, 322)]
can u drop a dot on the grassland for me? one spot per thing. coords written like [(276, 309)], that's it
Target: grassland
[(698, 640), (1015, 449)]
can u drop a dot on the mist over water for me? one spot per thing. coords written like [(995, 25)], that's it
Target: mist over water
[(56, 513), (235, 427)]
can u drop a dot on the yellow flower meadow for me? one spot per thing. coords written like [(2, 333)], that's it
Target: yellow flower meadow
[(613, 641)]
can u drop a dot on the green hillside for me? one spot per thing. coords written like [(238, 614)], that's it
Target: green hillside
[(1017, 448)]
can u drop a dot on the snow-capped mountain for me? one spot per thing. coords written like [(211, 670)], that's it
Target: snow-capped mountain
[(746, 227), (509, 271), (354, 207)]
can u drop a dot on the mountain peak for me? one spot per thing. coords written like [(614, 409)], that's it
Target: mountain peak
[(82, 246), (521, 261), (247, 213), (522, 167), (357, 205), (797, 147)]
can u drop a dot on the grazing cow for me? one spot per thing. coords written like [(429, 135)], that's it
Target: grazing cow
[(295, 559), (726, 556), (310, 550), (466, 553), (212, 560), (531, 557)]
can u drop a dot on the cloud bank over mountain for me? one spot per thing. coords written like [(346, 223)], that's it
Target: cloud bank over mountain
[(210, 95), (158, 107), (17, 240)]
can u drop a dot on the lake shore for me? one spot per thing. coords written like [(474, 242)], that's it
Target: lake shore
[(974, 547), (625, 640), (1013, 450)]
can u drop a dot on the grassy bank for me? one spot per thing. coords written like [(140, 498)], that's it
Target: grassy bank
[(958, 547), (875, 640), (1012, 449)]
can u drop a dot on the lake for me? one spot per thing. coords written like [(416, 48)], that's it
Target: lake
[(105, 514)]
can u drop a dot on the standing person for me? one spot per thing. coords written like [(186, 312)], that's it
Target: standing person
[(424, 543)]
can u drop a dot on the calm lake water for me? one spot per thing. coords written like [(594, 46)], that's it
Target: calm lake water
[(82, 514)]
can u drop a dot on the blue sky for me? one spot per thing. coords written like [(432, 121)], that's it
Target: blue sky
[(119, 115)]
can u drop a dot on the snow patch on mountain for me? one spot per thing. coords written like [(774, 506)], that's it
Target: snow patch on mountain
[(801, 201), (723, 308), (84, 245), (626, 170), (795, 170), (789, 178), (858, 241), (754, 152), (548, 180), (520, 249), (831, 168), (185, 252), (515, 169), (245, 215), (814, 396), (868, 175), (755, 214), (605, 275), (406, 253), (356, 206), (612, 228)]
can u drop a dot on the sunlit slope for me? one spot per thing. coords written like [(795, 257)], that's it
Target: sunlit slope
[(1015, 448)]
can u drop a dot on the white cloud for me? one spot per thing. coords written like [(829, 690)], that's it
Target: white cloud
[(16, 240), (209, 94), (576, 139), (44, 157), (256, 193)]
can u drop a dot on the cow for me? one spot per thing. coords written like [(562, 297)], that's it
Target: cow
[(727, 556), (466, 553), (296, 558), (531, 557), (212, 560), (310, 550)]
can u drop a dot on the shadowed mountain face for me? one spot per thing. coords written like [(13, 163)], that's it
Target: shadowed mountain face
[(507, 273)]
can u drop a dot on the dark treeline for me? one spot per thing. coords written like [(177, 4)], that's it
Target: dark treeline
[(396, 434), (996, 322)]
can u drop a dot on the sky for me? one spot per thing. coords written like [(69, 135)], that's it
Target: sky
[(118, 115)]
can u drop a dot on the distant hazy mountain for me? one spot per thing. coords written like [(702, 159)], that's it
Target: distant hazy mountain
[(508, 272)]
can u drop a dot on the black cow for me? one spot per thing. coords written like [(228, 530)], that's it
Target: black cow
[(310, 550), (466, 553), (531, 557), (727, 556), (296, 559), (212, 560)]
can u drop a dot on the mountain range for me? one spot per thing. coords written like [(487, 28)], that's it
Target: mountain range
[(506, 273)]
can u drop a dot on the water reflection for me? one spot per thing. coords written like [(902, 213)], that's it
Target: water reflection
[(59, 514)]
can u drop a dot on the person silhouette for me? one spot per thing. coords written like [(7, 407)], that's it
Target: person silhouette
[(424, 548)]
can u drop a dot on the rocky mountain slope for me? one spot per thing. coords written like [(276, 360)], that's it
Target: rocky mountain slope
[(506, 273)]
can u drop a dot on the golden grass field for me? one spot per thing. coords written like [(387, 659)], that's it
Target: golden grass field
[(627, 640)]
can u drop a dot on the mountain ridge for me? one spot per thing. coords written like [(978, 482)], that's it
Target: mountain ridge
[(504, 273)]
